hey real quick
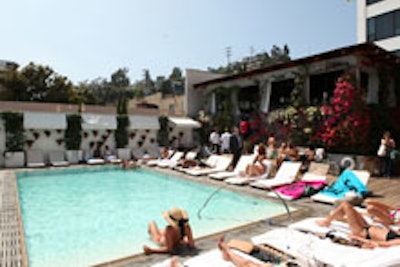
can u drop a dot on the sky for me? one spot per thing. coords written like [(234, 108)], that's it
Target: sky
[(87, 39)]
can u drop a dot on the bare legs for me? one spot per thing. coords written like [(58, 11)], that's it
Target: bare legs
[(355, 220), (156, 234), (236, 259)]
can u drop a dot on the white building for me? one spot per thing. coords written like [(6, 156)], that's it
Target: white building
[(378, 21)]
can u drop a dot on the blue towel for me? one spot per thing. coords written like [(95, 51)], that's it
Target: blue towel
[(346, 182)]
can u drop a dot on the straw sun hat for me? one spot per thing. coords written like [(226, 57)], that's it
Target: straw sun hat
[(175, 215)]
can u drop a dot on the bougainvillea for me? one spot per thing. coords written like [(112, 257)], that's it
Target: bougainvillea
[(346, 119)]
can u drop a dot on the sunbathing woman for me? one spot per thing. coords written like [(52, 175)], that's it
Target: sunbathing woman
[(258, 167), (236, 259), (177, 232), (383, 213), (371, 236)]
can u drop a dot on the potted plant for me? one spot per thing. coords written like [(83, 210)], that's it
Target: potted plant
[(14, 154), (73, 138)]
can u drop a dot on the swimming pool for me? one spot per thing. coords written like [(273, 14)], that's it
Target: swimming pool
[(85, 216)]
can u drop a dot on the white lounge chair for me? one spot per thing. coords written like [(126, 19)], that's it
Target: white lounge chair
[(286, 174), (214, 258), (301, 240), (173, 161), (240, 167), (324, 197), (57, 158), (244, 180), (314, 177), (154, 162), (218, 163), (35, 158)]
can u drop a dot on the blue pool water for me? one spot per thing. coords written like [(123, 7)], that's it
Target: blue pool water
[(85, 216)]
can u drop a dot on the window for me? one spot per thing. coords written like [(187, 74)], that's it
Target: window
[(371, 29), (322, 87), (280, 93), (369, 2), (383, 26), (397, 23)]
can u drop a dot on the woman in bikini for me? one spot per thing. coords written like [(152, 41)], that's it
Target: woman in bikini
[(382, 212), (176, 233), (370, 236)]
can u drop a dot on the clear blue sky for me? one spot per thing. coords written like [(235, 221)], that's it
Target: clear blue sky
[(87, 39)]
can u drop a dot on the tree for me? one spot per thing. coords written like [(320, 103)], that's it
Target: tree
[(14, 84), (36, 83), (176, 74)]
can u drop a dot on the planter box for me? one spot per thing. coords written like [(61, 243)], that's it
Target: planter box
[(14, 159), (74, 156)]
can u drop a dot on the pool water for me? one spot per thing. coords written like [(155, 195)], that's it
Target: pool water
[(86, 216)]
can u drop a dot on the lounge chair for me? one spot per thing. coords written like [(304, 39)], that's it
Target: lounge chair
[(348, 181), (244, 180), (35, 158), (310, 183), (57, 158), (173, 161), (306, 245), (217, 163), (154, 162), (286, 174), (214, 258), (240, 167)]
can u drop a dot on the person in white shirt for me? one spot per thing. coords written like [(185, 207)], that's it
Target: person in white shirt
[(214, 140), (225, 141)]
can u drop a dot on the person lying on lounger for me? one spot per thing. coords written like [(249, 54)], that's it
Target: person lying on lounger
[(258, 167), (177, 232), (370, 236), (236, 259), (383, 213)]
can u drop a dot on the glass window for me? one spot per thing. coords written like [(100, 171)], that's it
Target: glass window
[(397, 23), (369, 2), (384, 26), (371, 30)]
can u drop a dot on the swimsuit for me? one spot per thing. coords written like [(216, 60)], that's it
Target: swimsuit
[(389, 236)]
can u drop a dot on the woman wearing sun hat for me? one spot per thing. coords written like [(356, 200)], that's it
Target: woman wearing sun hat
[(177, 232)]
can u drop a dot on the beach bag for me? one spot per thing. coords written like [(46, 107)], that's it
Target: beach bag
[(382, 151)]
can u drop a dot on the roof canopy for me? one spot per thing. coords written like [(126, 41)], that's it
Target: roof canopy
[(143, 122), (92, 121), (44, 120), (182, 122)]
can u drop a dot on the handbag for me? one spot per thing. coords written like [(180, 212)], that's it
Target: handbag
[(382, 151)]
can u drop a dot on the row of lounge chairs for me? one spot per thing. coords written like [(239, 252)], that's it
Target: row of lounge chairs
[(300, 241), (284, 184)]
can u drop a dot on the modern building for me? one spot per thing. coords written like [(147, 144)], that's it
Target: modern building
[(378, 21)]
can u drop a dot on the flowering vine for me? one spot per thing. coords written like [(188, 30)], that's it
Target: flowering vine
[(346, 120)]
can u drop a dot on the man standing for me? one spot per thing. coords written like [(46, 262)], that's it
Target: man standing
[(225, 139), (214, 140), (236, 145)]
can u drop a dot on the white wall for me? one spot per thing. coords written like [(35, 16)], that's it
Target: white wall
[(194, 99)]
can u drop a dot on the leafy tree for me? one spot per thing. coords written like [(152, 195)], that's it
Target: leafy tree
[(176, 74), (14, 84), (36, 83)]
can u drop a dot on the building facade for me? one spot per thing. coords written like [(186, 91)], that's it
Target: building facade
[(378, 21)]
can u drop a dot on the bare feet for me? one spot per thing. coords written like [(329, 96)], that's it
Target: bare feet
[(224, 249), (147, 250)]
